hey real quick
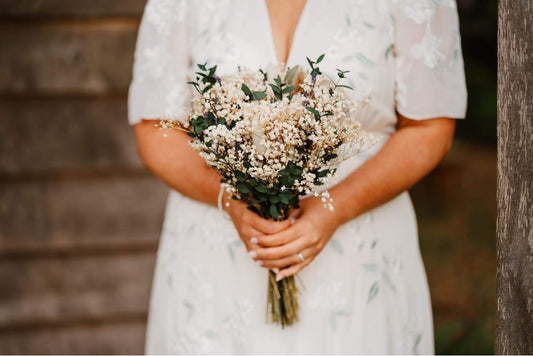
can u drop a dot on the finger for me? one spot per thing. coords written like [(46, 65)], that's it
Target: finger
[(281, 238), (295, 214), (267, 227), (292, 270), (307, 253), (278, 252), (249, 236)]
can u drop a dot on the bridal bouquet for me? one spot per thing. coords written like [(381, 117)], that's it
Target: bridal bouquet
[(274, 136)]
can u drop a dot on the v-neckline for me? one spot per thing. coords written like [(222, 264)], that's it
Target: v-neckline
[(270, 32)]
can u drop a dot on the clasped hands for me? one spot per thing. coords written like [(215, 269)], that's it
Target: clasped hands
[(275, 245)]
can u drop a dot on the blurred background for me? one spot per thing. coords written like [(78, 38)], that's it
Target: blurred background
[(80, 217)]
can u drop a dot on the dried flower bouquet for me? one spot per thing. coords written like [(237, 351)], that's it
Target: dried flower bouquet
[(274, 136)]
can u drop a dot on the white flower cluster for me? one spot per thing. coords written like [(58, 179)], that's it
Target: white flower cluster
[(312, 126)]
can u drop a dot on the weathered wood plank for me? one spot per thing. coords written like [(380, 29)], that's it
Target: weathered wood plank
[(110, 339), (66, 135), (62, 214), (514, 327), (54, 291), (55, 8), (84, 59)]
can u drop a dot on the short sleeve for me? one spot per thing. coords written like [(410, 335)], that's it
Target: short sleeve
[(430, 78), (158, 88)]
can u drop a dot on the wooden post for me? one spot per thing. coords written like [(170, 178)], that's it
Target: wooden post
[(514, 323)]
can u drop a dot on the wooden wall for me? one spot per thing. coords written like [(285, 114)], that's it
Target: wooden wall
[(80, 217)]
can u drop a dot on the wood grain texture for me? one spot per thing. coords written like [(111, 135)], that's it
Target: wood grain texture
[(80, 214), (73, 290), (58, 135), (108, 337), (514, 327), (70, 8), (67, 59)]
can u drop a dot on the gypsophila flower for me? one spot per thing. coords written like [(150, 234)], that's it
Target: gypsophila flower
[(274, 135)]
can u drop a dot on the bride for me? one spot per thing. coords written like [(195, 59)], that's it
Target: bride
[(362, 282)]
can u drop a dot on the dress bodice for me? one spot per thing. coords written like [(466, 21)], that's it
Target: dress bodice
[(404, 54)]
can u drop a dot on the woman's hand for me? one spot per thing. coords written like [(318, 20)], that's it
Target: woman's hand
[(308, 235), (248, 224)]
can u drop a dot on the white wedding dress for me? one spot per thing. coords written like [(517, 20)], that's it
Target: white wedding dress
[(366, 292)]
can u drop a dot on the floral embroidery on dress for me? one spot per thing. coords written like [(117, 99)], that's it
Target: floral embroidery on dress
[(164, 14), (411, 336), (428, 50), (191, 340), (420, 11), (238, 319), (328, 297)]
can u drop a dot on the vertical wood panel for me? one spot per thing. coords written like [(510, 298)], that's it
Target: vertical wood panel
[(514, 326)]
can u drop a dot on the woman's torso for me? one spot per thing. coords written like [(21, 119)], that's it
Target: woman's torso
[(354, 35)]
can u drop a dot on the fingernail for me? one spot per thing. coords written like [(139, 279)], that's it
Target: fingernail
[(279, 277), (275, 269), (293, 220), (259, 262), (254, 240), (252, 254)]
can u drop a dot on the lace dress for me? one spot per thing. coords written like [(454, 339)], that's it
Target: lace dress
[(366, 292)]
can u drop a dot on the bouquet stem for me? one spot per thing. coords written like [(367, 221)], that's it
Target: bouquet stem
[(282, 304)]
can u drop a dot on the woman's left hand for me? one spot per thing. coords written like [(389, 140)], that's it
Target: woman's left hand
[(312, 228)]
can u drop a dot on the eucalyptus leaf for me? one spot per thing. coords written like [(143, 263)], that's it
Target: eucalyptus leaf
[(291, 74), (243, 188), (273, 211), (258, 95)]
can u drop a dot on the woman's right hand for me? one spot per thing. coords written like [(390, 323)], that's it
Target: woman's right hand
[(248, 224)]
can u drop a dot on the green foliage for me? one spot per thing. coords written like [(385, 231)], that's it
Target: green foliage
[(279, 88), (271, 201), (205, 78), (291, 75), (253, 95)]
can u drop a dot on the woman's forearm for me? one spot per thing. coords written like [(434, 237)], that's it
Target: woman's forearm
[(411, 153), (176, 163)]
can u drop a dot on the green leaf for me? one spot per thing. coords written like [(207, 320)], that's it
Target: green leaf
[(344, 86), (322, 173), (274, 199), (288, 89), (275, 89), (314, 112), (261, 188), (243, 188), (320, 58), (273, 211), (258, 95), (241, 177), (246, 90), (291, 74), (374, 289)]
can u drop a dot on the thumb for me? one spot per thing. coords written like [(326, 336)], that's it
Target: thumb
[(295, 214)]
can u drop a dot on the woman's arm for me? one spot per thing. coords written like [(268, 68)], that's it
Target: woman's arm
[(410, 154), (176, 163), (179, 166)]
